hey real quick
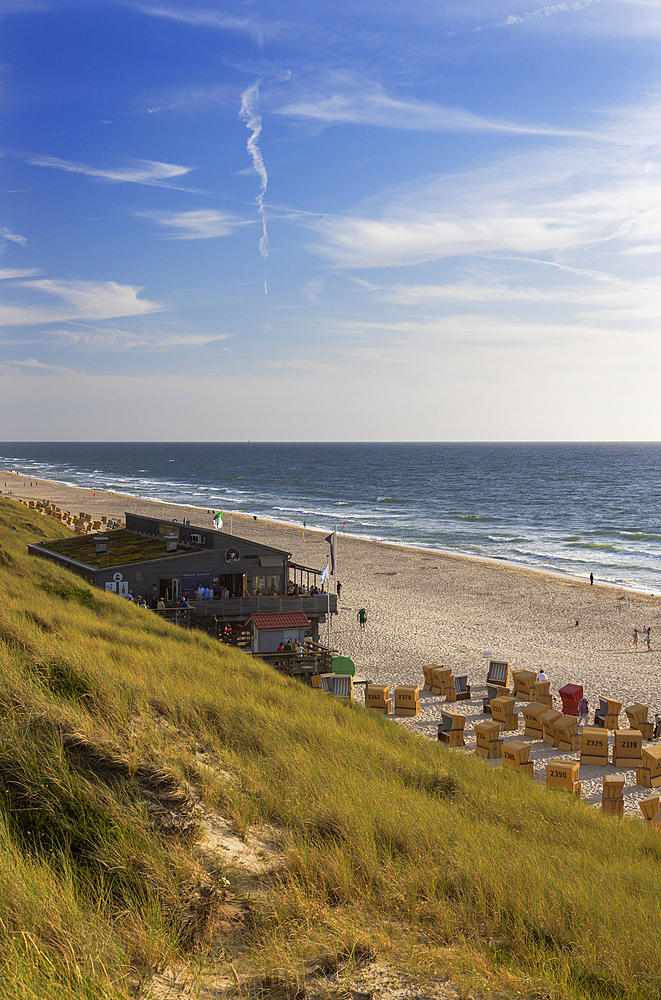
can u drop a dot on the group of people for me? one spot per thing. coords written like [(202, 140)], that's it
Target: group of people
[(149, 601), (203, 593), (296, 590), (291, 646), (646, 633)]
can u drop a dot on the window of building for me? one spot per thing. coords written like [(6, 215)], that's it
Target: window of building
[(274, 586), (259, 586)]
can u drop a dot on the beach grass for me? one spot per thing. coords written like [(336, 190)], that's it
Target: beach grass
[(121, 732)]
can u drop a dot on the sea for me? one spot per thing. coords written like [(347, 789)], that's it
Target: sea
[(570, 508)]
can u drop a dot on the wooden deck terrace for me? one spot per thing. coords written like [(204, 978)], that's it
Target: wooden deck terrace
[(298, 666), (240, 608), (316, 658)]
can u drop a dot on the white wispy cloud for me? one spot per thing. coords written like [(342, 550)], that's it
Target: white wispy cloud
[(202, 224), (13, 237), (200, 18), (312, 288), (643, 249), (95, 300), (249, 112), (33, 365), (466, 291), (540, 12), (606, 299), (350, 100), (116, 338), (616, 19), (547, 202), (17, 272), (149, 172)]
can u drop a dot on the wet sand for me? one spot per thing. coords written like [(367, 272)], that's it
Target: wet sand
[(425, 606)]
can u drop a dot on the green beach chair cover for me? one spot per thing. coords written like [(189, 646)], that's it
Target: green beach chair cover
[(343, 665)]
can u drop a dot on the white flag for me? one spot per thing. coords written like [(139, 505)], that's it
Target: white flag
[(324, 575)]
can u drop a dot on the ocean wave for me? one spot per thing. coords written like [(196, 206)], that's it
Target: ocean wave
[(641, 536), (598, 546)]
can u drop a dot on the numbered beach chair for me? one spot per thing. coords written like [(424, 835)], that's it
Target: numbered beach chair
[(493, 691), (498, 673), (451, 728)]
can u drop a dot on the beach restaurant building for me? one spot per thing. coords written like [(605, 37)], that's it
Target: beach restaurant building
[(168, 560)]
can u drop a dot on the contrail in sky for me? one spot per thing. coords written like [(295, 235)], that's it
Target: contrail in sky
[(251, 116)]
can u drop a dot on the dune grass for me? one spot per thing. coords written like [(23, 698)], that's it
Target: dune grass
[(443, 866)]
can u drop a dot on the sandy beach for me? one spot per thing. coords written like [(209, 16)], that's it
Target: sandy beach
[(425, 606)]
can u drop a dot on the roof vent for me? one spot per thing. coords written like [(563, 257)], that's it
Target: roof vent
[(101, 544), (171, 543)]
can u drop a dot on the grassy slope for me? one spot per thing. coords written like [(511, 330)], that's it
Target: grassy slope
[(425, 854)]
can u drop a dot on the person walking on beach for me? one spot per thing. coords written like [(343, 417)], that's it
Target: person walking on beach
[(591, 579), (583, 709), (339, 590), (362, 618), (635, 639), (648, 636)]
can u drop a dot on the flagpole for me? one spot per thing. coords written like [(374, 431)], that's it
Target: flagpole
[(335, 567), (332, 541)]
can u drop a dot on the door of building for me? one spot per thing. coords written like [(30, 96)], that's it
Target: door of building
[(233, 582), (168, 589)]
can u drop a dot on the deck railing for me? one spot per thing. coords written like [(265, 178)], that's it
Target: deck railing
[(237, 606), (317, 662)]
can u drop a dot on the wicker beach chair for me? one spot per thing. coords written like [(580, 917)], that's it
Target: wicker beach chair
[(498, 673), (462, 687)]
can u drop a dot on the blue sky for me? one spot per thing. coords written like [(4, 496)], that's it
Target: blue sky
[(314, 221)]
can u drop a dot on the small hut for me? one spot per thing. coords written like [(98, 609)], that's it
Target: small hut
[(269, 630)]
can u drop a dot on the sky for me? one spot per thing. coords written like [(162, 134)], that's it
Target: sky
[(321, 221)]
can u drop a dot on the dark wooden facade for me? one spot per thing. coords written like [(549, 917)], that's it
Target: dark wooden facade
[(185, 556)]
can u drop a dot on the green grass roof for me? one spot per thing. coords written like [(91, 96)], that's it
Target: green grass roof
[(123, 547)]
